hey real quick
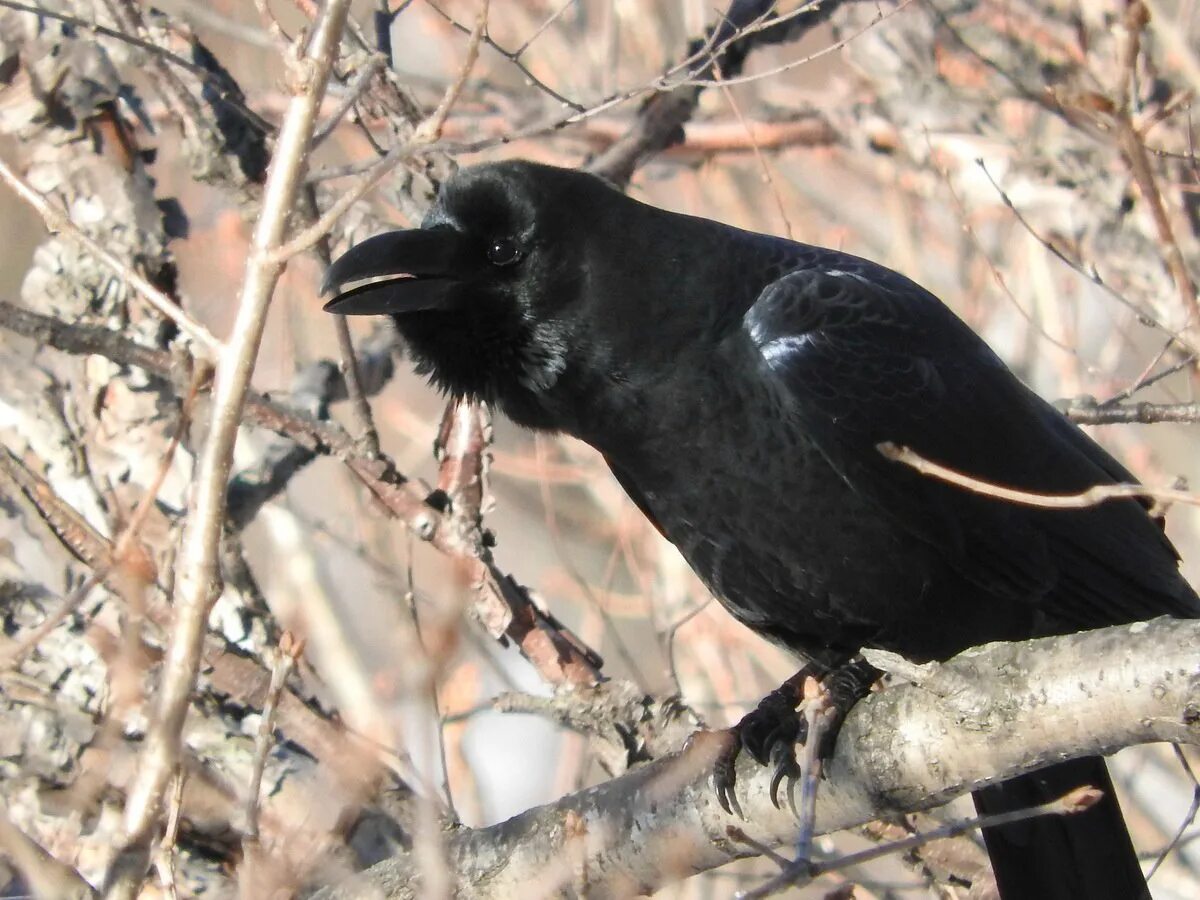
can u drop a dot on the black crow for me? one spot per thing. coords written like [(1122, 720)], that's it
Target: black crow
[(739, 386)]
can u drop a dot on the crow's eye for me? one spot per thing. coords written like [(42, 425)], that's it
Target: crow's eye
[(503, 252)]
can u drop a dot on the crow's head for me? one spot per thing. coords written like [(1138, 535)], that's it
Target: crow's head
[(487, 291)]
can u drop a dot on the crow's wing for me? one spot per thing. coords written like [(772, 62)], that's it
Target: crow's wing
[(868, 356)]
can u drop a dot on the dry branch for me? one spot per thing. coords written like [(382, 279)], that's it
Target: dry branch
[(1086, 411), (1010, 708), (659, 123), (58, 221), (1096, 494), (197, 581), (503, 606)]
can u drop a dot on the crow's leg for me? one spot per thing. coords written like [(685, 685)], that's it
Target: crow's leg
[(771, 730), (773, 723)]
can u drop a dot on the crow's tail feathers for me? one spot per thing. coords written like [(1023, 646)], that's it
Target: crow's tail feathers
[(1083, 856)]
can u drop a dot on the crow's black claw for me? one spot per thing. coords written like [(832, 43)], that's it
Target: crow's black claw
[(783, 761), (772, 723), (727, 797), (772, 730), (724, 775)]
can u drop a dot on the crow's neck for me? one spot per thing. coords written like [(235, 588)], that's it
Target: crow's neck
[(653, 339)]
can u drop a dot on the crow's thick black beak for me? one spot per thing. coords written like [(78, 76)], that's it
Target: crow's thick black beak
[(421, 264)]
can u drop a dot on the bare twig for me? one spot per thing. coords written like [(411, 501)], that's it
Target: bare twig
[(46, 876), (431, 129), (368, 435), (212, 81), (505, 608), (997, 275), (319, 436), (354, 91), (513, 57), (164, 857), (502, 606), (76, 533), (309, 236), (1188, 818), (288, 651), (1143, 313), (1145, 380), (803, 870), (197, 580), (546, 23), (1133, 148), (360, 407), (57, 221), (763, 165), (1086, 411), (817, 716), (11, 657), (834, 47), (423, 136), (1093, 495)]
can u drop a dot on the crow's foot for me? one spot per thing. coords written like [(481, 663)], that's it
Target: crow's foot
[(771, 731)]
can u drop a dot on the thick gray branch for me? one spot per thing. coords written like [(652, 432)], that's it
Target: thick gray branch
[(988, 714)]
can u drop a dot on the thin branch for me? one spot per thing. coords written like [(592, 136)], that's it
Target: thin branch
[(196, 586), (423, 135), (512, 57), (11, 657), (352, 375), (46, 876), (318, 436), (368, 435), (1188, 818), (1145, 380), (659, 122), (880, 16), (286, 654), (803, 871), (759, 158), (309, 236), (212, 81), (546, 23), (76, 533), (503, 606), (431, 129), (57, 221), (1143, 313), (1086, 411), (354, 91), (164, 857), (1093, 495), (997, 275), (1133, 148)]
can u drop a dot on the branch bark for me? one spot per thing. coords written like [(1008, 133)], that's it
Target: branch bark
[(503, 606), (196, 587), (988, 714)]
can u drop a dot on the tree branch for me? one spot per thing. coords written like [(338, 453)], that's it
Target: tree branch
[(1096, 494), (503, 606), (745, 25), (1086, 411), (46, 876), (197, 583), (1010, 708)]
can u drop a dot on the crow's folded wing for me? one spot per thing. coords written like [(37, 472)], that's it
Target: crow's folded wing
[(868, 356)]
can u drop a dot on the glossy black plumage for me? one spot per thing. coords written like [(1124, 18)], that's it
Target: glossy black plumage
[(738, 386)]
